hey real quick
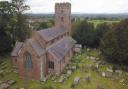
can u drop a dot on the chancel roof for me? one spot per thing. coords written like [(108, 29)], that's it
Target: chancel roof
[(62, 47)]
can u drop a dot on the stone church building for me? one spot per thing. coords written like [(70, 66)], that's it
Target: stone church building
[(48, 50)]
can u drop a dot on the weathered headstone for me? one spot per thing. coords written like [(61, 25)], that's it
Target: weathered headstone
[(122, 80), (97, 65), (103, 74), (1, 82), (92, 58), (88, 49), (44, 79), (69, 72), (118, 71), (108, 74), (61, 79), (10, 82), (73, 67), (76, 80), (88, 57), (109, 70), (4, 86)]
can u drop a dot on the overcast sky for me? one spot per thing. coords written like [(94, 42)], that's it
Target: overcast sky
[(81, 6)]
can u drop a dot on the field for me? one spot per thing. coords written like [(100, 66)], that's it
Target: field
[(81, 61), (96, 22)]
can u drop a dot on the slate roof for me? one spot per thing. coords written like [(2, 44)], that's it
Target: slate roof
[(60, 48), (37, 47), (16, 49), (51, 33)]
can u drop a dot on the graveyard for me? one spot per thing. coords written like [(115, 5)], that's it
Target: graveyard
[(86, 70)]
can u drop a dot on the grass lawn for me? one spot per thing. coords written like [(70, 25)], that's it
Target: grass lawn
[(79, 60)]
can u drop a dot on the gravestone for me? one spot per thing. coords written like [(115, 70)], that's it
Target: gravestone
[(1, 82), (69, 72), (76, 80), (88, 57), (4, 86), (109, 70), (73, 67), (108, 74), (103, 74), (61, 79), (122, 80), (118, 71), (10, 82)]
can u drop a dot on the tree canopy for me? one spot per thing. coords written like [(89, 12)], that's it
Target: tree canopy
[(114, 44), (84, 33), (13, 23)]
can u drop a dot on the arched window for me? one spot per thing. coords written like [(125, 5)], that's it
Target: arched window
[(51, 65), (27, 61)]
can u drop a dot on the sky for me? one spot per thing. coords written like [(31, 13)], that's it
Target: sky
[(80, 6)]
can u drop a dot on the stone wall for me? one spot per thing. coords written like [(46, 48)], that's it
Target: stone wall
[(35, 72)]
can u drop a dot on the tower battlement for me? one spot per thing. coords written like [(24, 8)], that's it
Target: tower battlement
[(62, 5)]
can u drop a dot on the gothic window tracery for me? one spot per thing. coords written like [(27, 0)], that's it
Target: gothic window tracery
[(27, 61)]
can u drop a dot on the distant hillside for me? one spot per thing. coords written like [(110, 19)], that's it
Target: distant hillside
[(120, 16)]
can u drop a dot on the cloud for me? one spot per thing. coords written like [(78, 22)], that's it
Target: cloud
[(82, 6)]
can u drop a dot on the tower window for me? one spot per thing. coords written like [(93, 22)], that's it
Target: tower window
[(51, 65), (27, 61), (62, 19), (62, 11)]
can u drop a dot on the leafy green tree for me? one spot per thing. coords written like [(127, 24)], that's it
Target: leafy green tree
[(114, 43), (20, 28), (101, 29), (5, 18), (84, 33), (13, 24), (43, 25)]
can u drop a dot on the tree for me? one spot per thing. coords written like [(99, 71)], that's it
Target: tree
[(20, 27), (101, 29), (43, 25), (13, 24), (5, 18), (114, 43), (83, 33)]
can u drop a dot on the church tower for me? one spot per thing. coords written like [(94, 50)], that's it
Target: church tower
[(63, 16)]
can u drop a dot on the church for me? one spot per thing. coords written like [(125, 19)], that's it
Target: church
[(48, 51)]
